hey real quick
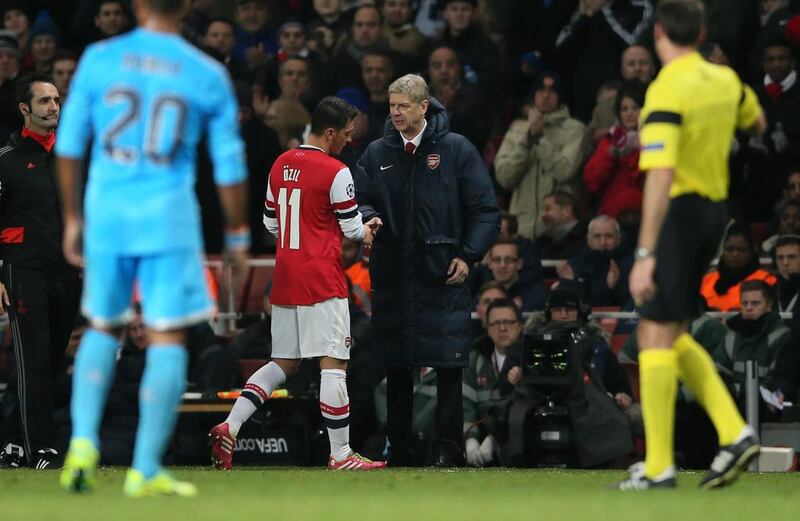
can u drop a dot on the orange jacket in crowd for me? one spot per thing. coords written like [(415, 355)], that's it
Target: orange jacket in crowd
[(730, 300), (358, 274)]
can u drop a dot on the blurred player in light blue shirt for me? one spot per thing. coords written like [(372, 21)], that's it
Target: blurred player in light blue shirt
[(143, 100)]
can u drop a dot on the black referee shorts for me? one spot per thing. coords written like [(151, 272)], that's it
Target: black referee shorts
[(689, 240)]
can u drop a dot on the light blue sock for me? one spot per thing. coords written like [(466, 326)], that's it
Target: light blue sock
[(93, 373), (160, 394)]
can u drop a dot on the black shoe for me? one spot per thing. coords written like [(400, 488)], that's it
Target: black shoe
[(47, 459), (639, 481), (446, 460), (12, 457), (400, 456), (731, 460)]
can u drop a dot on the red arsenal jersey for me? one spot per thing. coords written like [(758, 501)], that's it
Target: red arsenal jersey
[(308, 194)]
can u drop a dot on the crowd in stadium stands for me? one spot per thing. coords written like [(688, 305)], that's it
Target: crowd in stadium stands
[(549, 92)]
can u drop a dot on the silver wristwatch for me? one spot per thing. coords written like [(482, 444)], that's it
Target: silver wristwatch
[(643, 253)]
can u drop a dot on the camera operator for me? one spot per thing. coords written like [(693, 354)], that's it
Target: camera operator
[(485, 383), (570, 390)]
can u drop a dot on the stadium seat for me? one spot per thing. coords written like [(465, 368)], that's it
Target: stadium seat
[(617, 341), (214, 262), (260, 277), (608, 324), (759, 232)]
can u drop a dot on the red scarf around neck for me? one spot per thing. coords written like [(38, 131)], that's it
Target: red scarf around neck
[(47, 141)]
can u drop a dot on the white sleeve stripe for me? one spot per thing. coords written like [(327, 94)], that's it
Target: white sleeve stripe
[(271, 224), (353, 228), (270, 198), (342, 188)]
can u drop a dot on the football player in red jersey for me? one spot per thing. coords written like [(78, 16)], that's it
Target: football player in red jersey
[(310, 204)]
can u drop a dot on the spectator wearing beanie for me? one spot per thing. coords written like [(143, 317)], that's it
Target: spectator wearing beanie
[(45, 39), (540, 154)]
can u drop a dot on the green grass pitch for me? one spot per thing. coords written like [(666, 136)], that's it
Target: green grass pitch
[(293, 494)]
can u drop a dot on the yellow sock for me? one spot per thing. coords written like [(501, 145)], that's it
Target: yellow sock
[(658, 384), (697, 371)]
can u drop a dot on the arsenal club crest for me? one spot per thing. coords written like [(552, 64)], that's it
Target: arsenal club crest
[(433, 161)]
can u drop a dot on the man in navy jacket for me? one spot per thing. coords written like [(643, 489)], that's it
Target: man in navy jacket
[(440, 217)]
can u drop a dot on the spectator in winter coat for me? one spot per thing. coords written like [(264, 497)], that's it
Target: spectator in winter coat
[(255, 38), (469, 113), (564, 236), (328, 29), (477, 53), (602, 269), (377, 72), (509, 231), (758, 333), (505, 263), (402, 36), (540, 154), (486, 379), (612, 173), (778, 149), (219, 40), (738, 263), (365, 36)]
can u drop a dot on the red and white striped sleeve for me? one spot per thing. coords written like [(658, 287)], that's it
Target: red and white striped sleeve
[(270, 220), (343, 200)]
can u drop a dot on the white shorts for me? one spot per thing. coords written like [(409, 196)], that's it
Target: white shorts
[(322, 329)]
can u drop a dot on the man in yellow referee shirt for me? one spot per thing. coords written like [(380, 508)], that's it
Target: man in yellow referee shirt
[(688, 122)]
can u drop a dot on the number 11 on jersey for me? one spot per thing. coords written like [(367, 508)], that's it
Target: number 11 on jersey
[(293, 203)]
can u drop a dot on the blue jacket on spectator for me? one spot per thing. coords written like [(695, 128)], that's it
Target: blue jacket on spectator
[(265, 36)]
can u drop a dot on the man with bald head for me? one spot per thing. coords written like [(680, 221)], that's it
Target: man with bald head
[(636, 64), (468, 116), (603, 266)]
